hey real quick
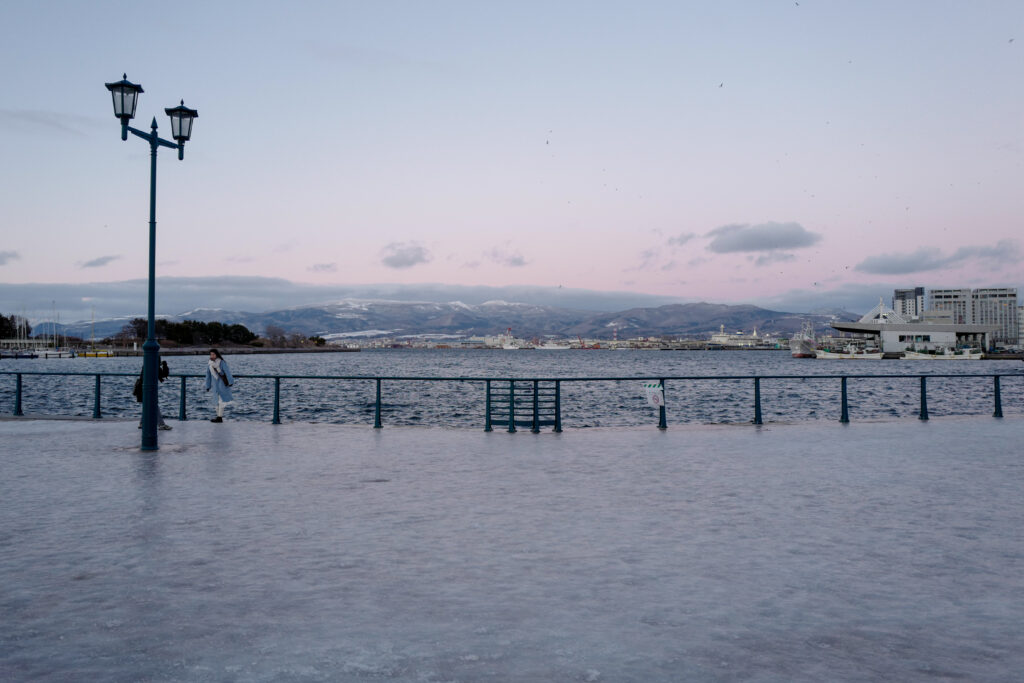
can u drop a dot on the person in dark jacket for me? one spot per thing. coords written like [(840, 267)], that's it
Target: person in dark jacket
[(163, 373)]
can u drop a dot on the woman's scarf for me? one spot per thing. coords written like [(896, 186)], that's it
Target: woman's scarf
[(215, 369)]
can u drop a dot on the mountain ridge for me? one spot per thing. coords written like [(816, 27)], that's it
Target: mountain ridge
[(380, 318)]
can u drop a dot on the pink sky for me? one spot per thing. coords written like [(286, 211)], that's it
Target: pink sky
[(740, 152)]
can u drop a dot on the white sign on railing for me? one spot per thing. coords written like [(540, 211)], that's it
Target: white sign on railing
[(655, 394)]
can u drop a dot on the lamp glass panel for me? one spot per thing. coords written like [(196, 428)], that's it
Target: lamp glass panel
[(124, 102), (130, 98), (181, 126)]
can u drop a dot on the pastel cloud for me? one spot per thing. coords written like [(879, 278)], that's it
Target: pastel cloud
[(98, 262), (404, 255), (762, 237), (506, 256), (930, 258), (652, 257), (680, 240)]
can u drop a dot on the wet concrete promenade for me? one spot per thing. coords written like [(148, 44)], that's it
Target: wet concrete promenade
[(253, 552)]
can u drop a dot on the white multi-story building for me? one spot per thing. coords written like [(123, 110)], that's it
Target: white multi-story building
[(987, 306), (997, 306), (909, 303), (1020, 325), (956, 301)]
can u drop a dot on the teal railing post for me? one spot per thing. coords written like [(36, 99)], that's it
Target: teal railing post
[(757, 400), (376, 415), (923, 415), (277, 401), (536, 410), (96, 401), (181, 402), (511, 406), (844, 416), (662, 417), (999, 399), (487, 409), (17, 397), (558, 406)]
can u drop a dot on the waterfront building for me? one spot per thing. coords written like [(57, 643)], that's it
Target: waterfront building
[(1020, 325), (955, 301), (892, 333), (985, 306), (997, 306), (909, 303)]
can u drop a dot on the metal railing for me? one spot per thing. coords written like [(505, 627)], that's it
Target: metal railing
[(532, 402)]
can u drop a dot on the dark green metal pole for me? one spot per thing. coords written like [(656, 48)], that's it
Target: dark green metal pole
[(662, 416), (151, 349), (376, 419), (181, 402), (96, 401), (511, 406), (277, 401), (923, 415), (487, 409), (536, 410), (844, 417), (999, 399), (558, 406), (17, 397), (757, 400)]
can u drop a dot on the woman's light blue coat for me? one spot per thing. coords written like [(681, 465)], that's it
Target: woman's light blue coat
[(217, 384)]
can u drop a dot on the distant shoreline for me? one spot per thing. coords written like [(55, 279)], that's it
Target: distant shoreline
[(230, 351)]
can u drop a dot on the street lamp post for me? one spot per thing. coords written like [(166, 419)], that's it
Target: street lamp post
[(125, 95)]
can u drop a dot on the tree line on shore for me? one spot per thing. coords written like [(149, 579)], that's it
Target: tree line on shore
[(194, 332), (188, 332), (185, 333)]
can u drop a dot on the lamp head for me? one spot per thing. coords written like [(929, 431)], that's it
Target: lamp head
[(125, 95), (181, 122)]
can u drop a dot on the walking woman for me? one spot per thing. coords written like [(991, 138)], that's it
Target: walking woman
[(219, 378)]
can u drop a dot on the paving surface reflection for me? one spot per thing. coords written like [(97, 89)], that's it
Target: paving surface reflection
[(245, 551)]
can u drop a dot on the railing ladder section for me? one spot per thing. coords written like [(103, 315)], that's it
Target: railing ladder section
[(525, 403)]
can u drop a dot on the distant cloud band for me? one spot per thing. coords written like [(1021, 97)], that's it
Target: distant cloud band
[(99, 262), (930, 258), (763, 237)]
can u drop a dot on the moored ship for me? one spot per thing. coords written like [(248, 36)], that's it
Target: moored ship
[(803, 344), (849, 353), (945, 354)]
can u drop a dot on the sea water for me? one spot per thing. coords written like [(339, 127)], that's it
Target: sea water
[(456, 403)]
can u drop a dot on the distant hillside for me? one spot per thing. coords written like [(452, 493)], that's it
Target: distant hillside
[(397, 318), (699, 319)]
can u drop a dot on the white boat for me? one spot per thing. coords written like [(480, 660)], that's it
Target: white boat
[(553, 346), (945, 354), (803, 344), (849, 353), (510, 343)]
